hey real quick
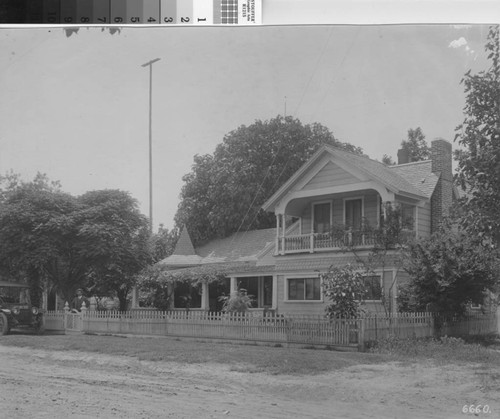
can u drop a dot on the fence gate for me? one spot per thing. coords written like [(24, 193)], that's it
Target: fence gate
[(73, 322)]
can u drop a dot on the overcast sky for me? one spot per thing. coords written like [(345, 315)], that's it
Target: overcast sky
[(76, 108)]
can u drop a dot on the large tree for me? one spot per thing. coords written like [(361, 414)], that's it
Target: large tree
[(114, 236), (223, 192), (98, 240), (38, 233), (415, 145), (479, 156)]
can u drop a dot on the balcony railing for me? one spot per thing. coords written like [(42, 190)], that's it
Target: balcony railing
[(313, 242)]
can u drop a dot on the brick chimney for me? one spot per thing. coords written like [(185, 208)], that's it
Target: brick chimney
[(403, 156), (441, 200)]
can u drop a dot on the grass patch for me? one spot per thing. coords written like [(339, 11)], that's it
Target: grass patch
[(245, 358), (444, 350)]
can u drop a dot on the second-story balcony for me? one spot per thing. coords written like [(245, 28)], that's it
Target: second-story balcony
[(345, 240)]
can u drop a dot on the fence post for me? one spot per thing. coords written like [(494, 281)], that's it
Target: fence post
[(66, 311), (361, 335), (83, 311)]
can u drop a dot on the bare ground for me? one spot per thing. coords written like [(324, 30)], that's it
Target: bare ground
[(73, 384)]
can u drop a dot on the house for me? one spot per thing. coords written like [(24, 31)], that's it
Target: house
[(322, 214)]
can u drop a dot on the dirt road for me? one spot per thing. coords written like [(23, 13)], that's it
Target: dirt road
[(72, 384)]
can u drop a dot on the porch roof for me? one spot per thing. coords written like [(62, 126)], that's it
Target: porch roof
[(247, 246), (226, 268)]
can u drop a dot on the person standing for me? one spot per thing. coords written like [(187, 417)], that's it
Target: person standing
[(78, 301)]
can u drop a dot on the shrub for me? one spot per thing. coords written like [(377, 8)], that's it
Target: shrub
[(237, 302)]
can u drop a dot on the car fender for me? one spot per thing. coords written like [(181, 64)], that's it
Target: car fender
[(6, 311)]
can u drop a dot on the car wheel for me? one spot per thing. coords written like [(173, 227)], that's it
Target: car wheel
[(4, 324)]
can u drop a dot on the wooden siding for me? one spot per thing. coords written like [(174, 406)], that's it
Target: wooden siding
[(330, 175), (424, 220)]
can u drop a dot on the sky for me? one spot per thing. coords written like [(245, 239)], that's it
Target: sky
[(77, 107)]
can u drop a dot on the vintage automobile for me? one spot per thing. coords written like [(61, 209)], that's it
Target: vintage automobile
[(16, 310)]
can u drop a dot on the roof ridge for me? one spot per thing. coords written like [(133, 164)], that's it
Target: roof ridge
[(410, 163)]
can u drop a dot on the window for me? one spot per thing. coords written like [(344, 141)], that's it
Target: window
[(373, 288), (304, 289), (354, 213), (407, 216), (322, 217)]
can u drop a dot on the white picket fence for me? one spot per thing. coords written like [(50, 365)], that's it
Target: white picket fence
[(279, 329)]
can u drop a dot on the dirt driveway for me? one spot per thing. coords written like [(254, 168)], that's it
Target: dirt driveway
[(73, 384)]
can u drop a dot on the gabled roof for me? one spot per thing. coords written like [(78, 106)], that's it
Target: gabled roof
[(248, 246), (419, 174), (379, 172)]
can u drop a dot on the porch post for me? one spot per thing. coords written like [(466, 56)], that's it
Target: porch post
[(275, 292), (233, 286), (277, 248), (205, 302)]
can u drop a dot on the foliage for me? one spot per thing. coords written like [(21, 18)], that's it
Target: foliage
[(344, 287), (224, 192), (98, 240), (114, 236), (163, 243), (479, 159), (386, 238), (449, 270), (387, 160), (156, 283), (415, 145), (37, 233), (238, 302)]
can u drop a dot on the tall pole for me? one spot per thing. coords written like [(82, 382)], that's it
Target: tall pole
[(150, 64)]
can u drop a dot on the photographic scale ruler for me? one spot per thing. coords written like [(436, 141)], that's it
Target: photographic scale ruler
[(131, 12)]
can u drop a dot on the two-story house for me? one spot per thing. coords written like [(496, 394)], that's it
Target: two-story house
[(322, 213)]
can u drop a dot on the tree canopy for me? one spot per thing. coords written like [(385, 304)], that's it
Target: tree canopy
[(114, 237), (448, 271), (225, 190), (479, 158), (98, 240), (416, 146)]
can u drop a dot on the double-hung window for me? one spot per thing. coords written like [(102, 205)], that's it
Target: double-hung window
[(304, 289)]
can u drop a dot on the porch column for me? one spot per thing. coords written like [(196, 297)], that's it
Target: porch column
[(283, 233), (233, 286), (205, 303), (275, 292), (277, 245)]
